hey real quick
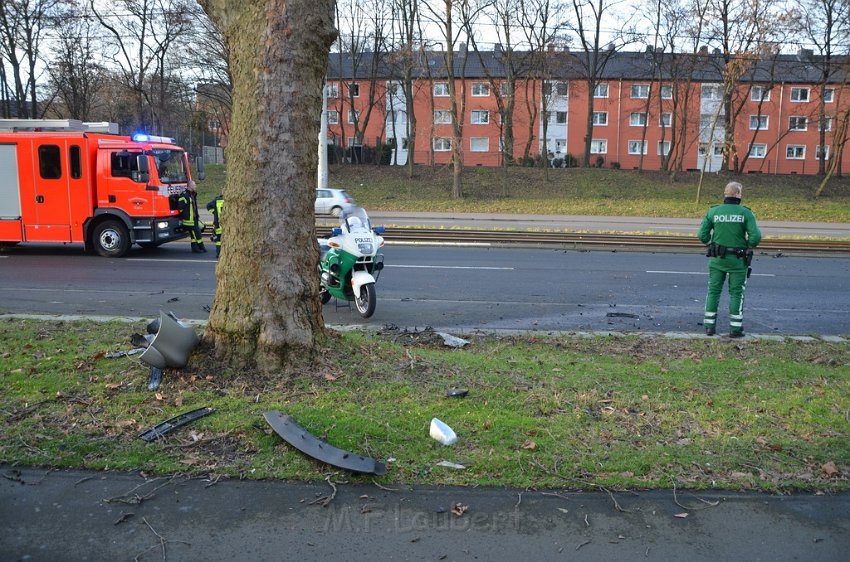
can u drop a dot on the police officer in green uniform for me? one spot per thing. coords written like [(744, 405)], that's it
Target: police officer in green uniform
[(188, 205), (731, 233), (215, 206)]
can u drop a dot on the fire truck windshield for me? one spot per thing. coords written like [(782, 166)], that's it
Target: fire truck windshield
[(170, 165)]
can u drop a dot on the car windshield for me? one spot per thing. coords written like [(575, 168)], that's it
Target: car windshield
[(355, 220), (170, 165)]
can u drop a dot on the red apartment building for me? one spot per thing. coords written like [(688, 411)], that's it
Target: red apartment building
[(648, 108)]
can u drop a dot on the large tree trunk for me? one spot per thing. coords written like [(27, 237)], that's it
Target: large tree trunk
[(266, 311)]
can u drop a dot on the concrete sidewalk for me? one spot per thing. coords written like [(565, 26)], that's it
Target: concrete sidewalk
[(77, 515)]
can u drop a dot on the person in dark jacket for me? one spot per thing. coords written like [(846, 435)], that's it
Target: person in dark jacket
[(731, 233), (215, 206), (188, 205)]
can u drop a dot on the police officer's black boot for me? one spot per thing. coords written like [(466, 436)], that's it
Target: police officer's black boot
[(196, 248), (217, 251), (202, 248)]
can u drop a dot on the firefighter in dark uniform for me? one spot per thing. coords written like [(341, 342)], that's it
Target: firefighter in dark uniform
[(188, 205), (215, 206), (731, 233)]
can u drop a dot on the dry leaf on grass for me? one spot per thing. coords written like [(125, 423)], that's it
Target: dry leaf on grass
[(330, 377), (530, 445), (830, 469)]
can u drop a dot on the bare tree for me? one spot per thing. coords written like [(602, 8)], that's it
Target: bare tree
[(448, 18), (589, 16), (826, 25), (75, 73), (405, 62), (266, 311), (22, 27), (141, 36)]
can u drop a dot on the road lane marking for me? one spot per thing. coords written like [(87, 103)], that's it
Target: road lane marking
[(704, 273)]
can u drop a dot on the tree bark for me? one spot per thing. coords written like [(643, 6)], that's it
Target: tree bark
[(266, 313)]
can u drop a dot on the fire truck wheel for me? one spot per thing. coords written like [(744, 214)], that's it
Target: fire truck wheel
[(111, 239)]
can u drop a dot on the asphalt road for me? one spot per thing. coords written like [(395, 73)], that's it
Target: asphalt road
[(72, 515), (458, 289)]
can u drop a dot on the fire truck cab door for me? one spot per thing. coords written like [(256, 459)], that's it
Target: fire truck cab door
[(52, 183)]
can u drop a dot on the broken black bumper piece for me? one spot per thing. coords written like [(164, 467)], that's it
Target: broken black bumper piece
[(312, 446), (161, 429)]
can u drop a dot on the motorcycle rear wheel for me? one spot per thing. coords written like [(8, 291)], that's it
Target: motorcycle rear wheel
[(366, 300)]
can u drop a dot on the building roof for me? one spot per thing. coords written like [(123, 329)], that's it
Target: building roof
[(704, 66)]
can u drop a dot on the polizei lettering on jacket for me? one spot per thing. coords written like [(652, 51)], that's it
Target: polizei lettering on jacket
[(728, 218)]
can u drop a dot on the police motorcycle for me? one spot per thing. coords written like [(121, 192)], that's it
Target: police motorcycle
[(350, 263)]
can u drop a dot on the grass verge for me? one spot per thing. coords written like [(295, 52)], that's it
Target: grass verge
[(575, 191), (638, 412)]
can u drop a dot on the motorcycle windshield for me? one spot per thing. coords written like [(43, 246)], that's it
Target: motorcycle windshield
[(355, 220)]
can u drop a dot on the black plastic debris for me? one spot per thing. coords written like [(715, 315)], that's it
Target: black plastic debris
[(161, 429), (457, 393), (314, 447)]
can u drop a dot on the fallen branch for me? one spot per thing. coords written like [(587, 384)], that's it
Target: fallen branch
[(617, 505), (692, 508), (161, 545), (136, 498), (384, 487), (325, 500)]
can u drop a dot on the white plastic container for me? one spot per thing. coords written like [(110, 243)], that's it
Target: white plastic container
[(442, 433)]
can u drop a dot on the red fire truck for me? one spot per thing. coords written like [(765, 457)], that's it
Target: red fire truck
[(62, 180)]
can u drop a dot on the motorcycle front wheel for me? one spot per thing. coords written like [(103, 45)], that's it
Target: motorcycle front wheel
[(366, 300)]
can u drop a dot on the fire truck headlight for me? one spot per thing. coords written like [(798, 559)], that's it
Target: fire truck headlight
[(162, 225)]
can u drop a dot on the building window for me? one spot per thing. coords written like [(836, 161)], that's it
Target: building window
[(663, 148), (760, 93), (505, 90), (599, 146), (442, 144), (825, 124), (711, 92), (600, 117), (758, 122), (558, 117), (666, 120), (795, 151), (637, 147), (797, 123), (637, 119), (333, 117), (640, 91), (481, 144), (666, 92), (442, 117), (480, 117), (560, 146), (354, 90), (480, 89), (356, 140), (441, 90), (333, 90), (818, 152), (353, 115), (560, 88), (758, 150), (214, 125), (828, 95), (600, 90), (799, 94)]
